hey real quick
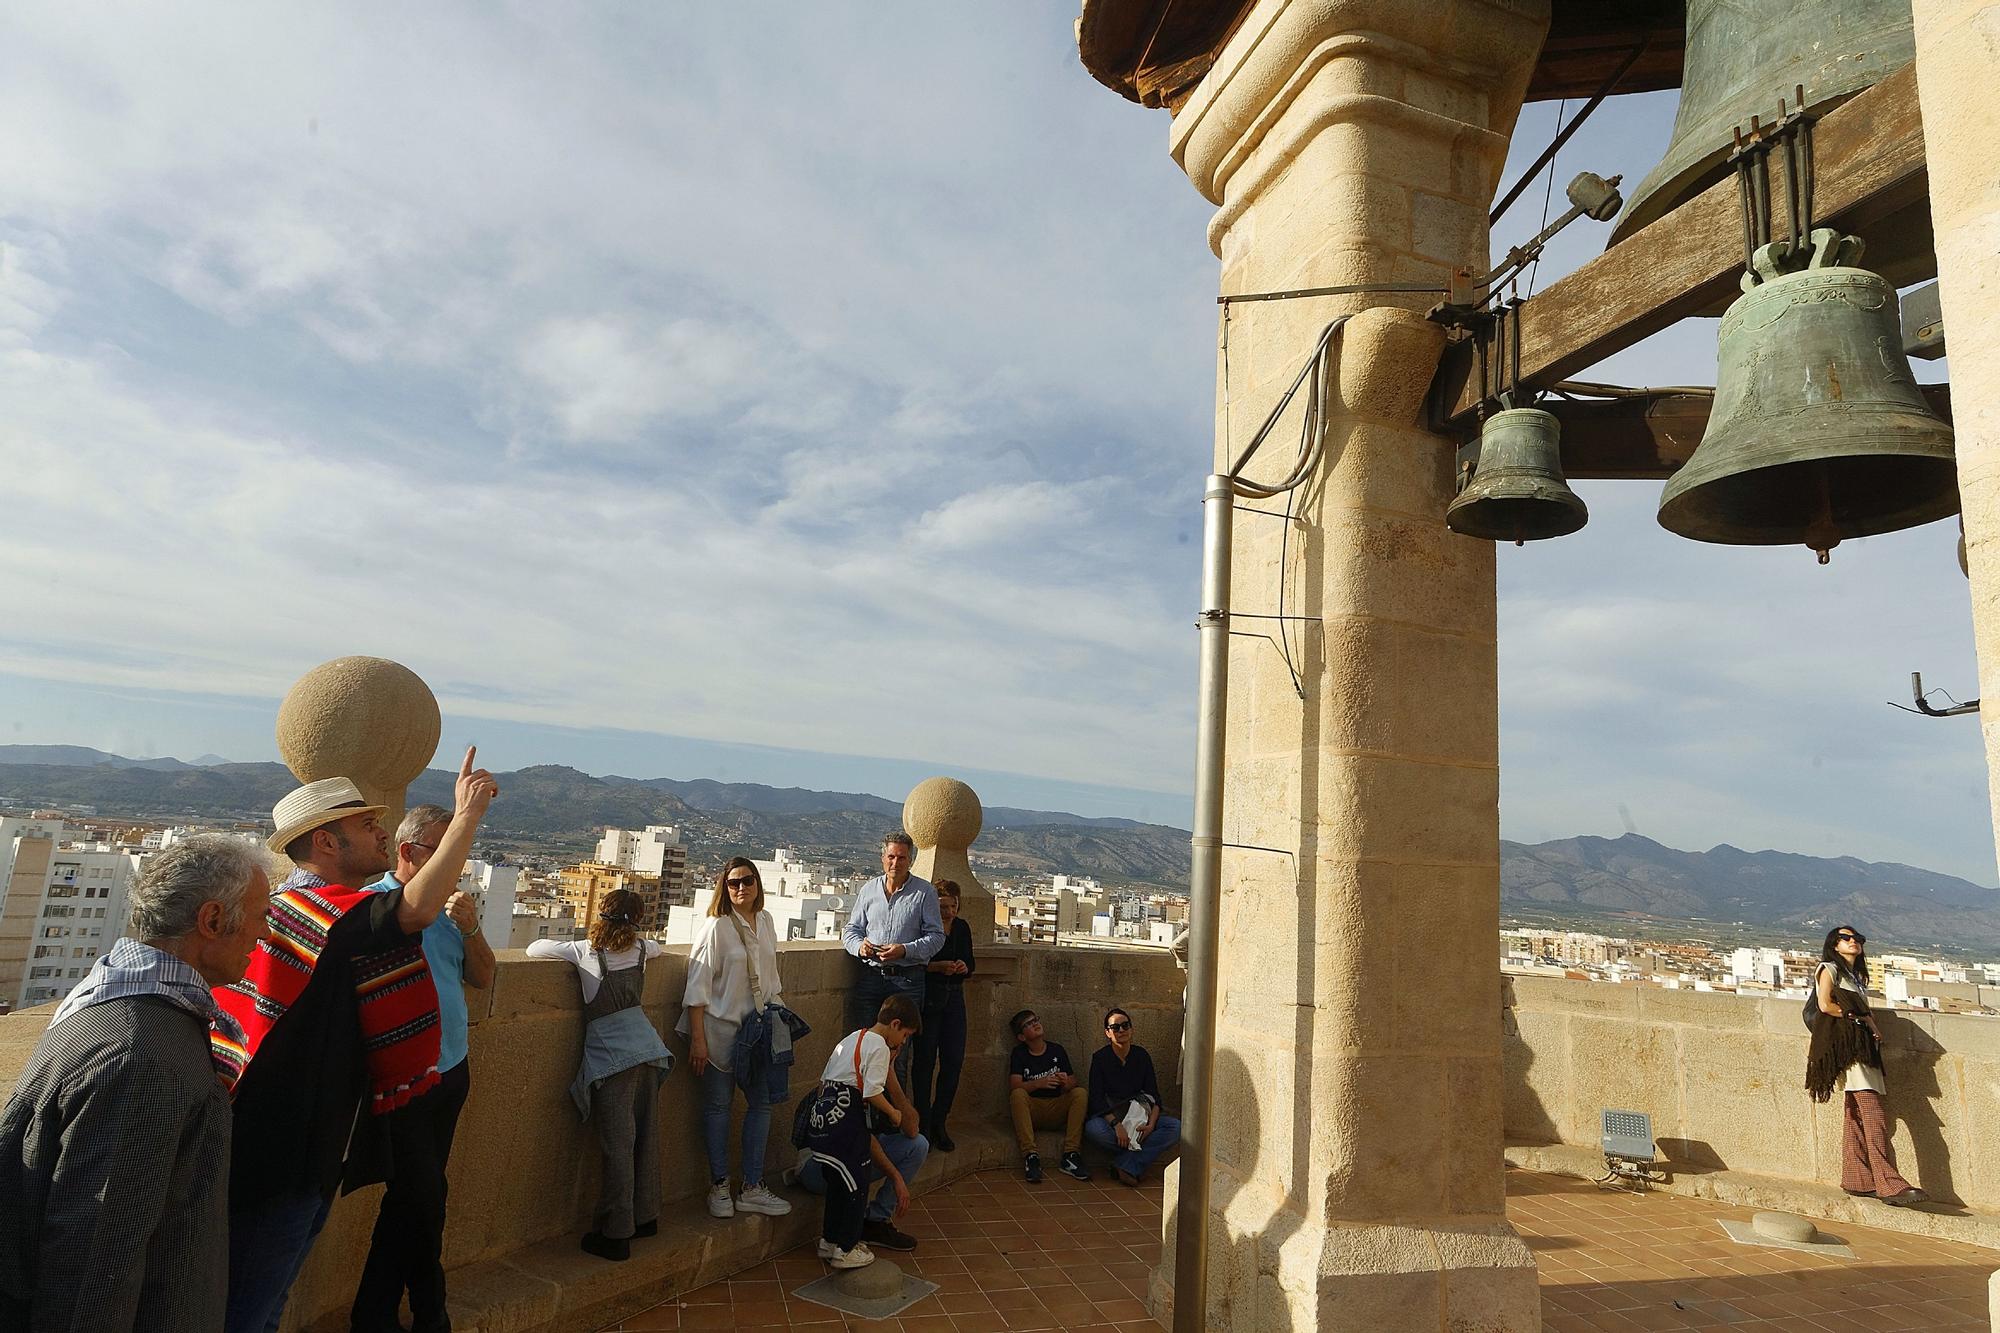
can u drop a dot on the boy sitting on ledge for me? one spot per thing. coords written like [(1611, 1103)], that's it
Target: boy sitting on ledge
[(1044, 1093)]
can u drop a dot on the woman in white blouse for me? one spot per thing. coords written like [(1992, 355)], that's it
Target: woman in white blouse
[(732, 973)]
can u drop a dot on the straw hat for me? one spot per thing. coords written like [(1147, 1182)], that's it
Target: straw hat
[(315, 804)]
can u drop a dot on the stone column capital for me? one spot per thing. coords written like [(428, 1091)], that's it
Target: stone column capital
[(1448, 70)]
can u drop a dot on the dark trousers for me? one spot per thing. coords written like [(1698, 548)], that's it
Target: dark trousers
[(407, 1251), (940, 1047), (840, 1224), (268, 1244), (871, 988)]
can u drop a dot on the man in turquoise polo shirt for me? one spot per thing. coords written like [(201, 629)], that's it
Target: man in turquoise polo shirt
[(406, 1252)]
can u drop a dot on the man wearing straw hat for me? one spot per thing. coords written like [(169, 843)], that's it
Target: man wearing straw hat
[(338, 1014)]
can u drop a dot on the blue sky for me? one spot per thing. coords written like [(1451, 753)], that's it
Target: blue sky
[(809, 396)]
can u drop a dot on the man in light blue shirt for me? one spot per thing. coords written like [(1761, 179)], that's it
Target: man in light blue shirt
[(894, 930), (407, 1250)]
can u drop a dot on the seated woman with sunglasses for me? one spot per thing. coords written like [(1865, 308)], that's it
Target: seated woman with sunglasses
[(732, 974), (1846, 1057), (1120, 1075)]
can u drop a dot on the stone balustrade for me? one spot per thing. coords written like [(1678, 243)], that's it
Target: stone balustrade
[(1723, 1078), (524, 1168)]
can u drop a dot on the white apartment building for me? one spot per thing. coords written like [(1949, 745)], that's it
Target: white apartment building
[(812, 916), (495, 887), (785, 875), (1765, 965), (656, 850), (63, 905), (523, 928)]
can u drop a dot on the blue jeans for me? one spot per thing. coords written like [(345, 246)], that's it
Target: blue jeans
[(1134, 1161), (871, 988), (268, 1244), (718, 1087), (904, 1153)]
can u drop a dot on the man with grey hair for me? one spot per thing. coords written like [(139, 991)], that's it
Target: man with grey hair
[(894, 930), (407, 1251), (114, 1148)]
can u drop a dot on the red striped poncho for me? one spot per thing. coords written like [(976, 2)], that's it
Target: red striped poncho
[(397, 1000)]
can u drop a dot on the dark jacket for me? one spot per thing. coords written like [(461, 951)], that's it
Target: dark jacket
[(1113, 1085), (114, 1177)]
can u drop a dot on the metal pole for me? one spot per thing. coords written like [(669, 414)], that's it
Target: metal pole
[(1204, 906)]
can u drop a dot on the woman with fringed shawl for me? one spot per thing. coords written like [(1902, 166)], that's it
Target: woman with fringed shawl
[(1846, 1057)]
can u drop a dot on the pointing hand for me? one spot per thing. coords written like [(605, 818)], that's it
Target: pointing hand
[(475, 788)]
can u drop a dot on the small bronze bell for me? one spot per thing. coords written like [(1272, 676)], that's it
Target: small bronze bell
[(1517, 492), (1818, 431)]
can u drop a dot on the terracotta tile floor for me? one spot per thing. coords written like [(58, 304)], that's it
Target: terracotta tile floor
[(1005, 1255), (1066, 1255), (1613, 1261)]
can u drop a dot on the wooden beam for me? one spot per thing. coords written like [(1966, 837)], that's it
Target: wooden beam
[(1648, 438), (1869, 160), (1629, 437)]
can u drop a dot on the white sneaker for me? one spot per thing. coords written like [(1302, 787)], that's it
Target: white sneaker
[(858, 1257), (759, 1199), (827, 1249), (719, 1202)]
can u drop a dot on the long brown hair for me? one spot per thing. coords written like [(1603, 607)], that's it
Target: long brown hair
[(719, 905), (617, 925)]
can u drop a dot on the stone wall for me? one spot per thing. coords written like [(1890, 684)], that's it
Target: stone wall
[(524, 1168), (1723, 1078)]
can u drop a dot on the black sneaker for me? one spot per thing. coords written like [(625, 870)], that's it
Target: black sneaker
[(1072, 1166), (941, 1140), (644, 1229), (884, 1236), (1031, 1167)]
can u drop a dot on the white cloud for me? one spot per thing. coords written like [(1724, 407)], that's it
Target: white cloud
[(608, 378)]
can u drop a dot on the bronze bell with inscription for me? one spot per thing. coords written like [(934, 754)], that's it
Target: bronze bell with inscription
[(1742, 55), (1818, 431), (1517, 492)]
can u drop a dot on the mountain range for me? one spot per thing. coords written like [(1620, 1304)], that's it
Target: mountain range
[(550, 811), (554, 811)]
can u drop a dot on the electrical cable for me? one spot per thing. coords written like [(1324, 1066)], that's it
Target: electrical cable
[(1548, 193), (1316, 378)]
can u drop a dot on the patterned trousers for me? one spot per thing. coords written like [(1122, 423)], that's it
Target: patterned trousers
[(1867, 1162)]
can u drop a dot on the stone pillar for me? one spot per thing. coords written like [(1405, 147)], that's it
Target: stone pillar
[(366, 719), (1357, 1174), (944, 816), (1958, 49)]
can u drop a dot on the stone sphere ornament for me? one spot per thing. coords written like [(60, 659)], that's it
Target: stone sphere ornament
[(944, 816), (364, 718)]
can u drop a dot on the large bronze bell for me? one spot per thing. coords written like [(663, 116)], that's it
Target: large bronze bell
[(1517, 492), (1818, 431), (1742, 56)]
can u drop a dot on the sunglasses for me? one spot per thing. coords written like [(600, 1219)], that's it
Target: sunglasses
[(1849, 935), (741, 883), (1117, 1027)]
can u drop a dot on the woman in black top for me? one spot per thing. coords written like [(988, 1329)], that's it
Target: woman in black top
[(1121, 1073), (941, 1040)]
